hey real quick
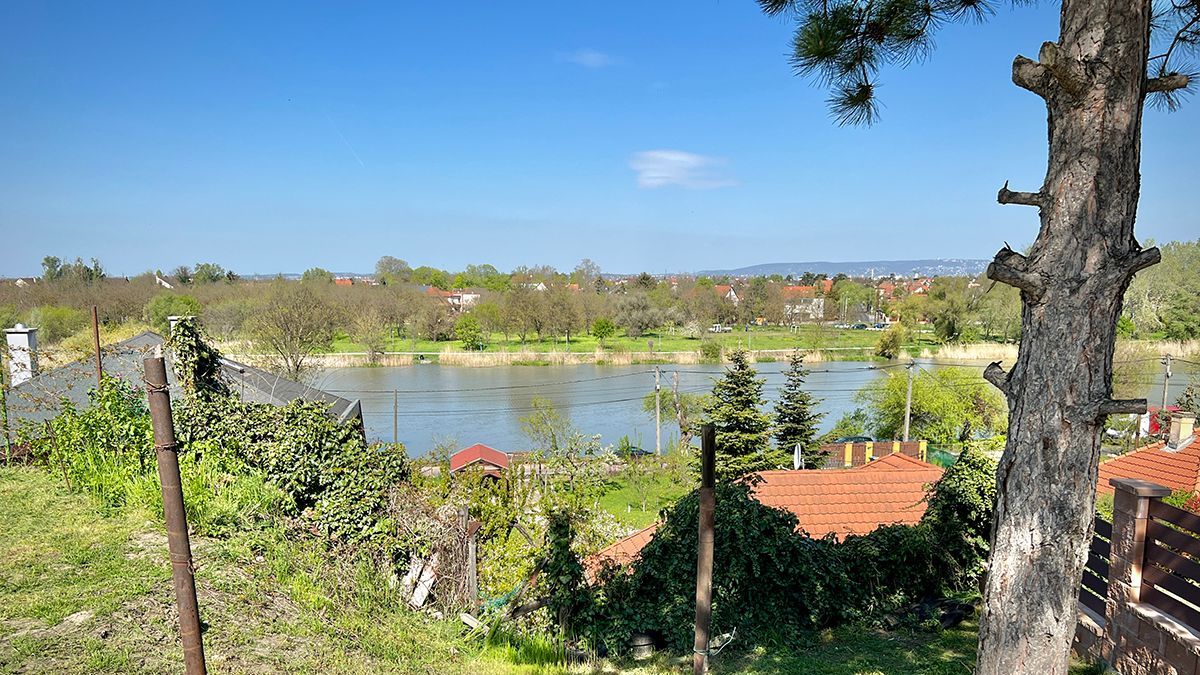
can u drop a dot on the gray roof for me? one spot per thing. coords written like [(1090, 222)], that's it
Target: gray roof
[(39, 399)]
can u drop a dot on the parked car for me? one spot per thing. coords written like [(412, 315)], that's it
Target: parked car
[(841, 325), (855, 439), (859, 326), (718, 328)]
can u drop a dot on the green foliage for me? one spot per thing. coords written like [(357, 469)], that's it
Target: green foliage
[(55, 323), (743, 429), (390, 270), (197, 364), (949, 405), (710, 351), (468, 330), (636, 314), (603, 328), (1166, 297), (961, 505), (795, 420), (773, 582), (210, 273), (853, 423), (168, 304), (891, 341), (317, 275), (562, 573), (1189, 399), (54, 269), (335, 479)]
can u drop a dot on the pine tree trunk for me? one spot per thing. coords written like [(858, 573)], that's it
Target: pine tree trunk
[(1072, 284)]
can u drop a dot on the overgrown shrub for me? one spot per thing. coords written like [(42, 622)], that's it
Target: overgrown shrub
[(710, 351), (771, 581)]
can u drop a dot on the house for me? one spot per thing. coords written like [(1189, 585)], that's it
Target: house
[(492, 461), (831, 502), (459, 301), (802, 304), (1173, 463), (36, 396), (343, 281), (726, 292)]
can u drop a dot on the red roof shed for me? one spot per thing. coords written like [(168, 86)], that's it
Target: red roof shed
[(492, 460)]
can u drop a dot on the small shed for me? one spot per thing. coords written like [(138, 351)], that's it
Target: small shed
[(492, 461)]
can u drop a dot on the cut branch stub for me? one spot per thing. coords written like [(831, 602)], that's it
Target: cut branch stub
[(997, 376), (1006, 196), (1031, 75), (1167, 83), (1067, 71), (1009, 267), (1124, 406), (1144, 258)]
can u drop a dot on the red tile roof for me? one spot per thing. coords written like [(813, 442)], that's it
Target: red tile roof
[(478, 453), (1175, 469), (790, 292), (851, 501), (886, 491)]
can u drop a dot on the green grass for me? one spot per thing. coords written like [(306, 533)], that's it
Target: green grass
[(808, 336), (86, 590), (624, 502)]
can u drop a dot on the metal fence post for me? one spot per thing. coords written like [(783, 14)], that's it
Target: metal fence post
[(167, 452)]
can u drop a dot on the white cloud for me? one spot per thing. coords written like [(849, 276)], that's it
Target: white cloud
[(588, 58), (660, 168)]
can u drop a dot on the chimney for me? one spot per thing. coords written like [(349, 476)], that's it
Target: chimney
[(1182, 424), (172, 320), (22, 353)]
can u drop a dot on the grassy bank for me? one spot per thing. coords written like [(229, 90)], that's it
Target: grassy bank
[(84, 591)]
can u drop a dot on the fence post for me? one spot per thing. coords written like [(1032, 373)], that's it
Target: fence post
[(704, 554), (1131, 512), (180, 548)]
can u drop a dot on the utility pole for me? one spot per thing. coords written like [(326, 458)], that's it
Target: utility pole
[(657, 411), (1166, 378), (395, 416), (704, 553), (908, 401), (180, 548), (96, 340)]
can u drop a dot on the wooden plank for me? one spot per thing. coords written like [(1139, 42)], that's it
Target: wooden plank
[(1173, 538), (1098, 565), (1182, 613), (1101, 547), (1185, 519), (1169, 560), (1094, 583), (1091, 601), (1104, 528), (1165, 581)]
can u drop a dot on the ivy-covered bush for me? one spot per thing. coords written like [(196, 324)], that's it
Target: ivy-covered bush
[(771, 581)]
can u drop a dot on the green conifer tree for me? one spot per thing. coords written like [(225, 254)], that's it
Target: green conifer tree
[(795, 421), (743, 429)]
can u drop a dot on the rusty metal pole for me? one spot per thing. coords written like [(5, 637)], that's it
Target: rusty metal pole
[(180, 547), (704, 553), (96, 340)]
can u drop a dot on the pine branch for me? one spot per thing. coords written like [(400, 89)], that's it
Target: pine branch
[(1006, 196)]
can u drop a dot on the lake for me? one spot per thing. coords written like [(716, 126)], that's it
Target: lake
[(484, 405)]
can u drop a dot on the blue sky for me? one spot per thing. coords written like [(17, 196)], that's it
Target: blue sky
[(647, 136)]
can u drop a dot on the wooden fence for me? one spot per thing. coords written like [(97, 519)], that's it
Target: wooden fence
[(1170, 573), (1140, 592), (1094, 590)]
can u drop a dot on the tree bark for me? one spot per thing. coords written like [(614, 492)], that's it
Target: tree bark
[(1072, 283)]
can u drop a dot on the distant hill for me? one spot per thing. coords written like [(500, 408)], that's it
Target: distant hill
[(867, 268)]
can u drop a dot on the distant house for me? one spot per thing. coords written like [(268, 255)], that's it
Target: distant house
[(459, 301), (492, 461), (344, 281), (839, 502), (38, 395), (1173, 463), (726, 292), (802, 304)]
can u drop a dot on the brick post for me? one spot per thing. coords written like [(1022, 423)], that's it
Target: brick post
[(1131, 507)]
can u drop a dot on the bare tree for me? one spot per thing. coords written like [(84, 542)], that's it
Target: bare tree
[(293, 323)]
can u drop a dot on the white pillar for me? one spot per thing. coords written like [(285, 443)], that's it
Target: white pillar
[(22, 353)]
